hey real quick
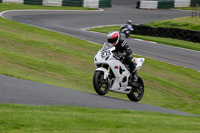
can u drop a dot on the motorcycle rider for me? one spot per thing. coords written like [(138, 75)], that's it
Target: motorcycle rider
[(127, 28), (122, 47)]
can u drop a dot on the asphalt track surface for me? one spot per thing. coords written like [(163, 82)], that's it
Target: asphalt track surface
[(13, 90)]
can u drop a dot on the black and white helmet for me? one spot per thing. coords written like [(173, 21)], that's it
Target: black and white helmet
[(113, 37)]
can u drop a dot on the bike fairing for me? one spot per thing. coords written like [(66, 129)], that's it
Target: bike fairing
[(123, 48), (112, 74), (114, 38)]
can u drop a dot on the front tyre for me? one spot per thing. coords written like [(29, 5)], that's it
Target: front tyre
[(99, 83), (137, 93)]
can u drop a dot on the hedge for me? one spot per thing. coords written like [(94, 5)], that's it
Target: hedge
[(33, 2), (175, 33)]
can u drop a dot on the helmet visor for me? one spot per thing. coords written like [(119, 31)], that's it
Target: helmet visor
[(113, 40)]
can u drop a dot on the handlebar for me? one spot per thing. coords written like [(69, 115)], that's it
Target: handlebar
[(116, 56)]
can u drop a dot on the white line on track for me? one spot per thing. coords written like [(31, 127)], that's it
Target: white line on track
[(47, 10), (143, 40), (87, 28)]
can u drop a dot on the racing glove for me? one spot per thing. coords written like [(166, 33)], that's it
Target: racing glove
[(121, 55)]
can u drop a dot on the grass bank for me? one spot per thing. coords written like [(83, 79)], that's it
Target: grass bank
[(27, 51), (189, 23), (52, 58), (186, 8), (161, 40), (60, 119)]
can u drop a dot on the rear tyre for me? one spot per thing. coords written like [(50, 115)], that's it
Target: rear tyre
[(99, 83), (137, 93)]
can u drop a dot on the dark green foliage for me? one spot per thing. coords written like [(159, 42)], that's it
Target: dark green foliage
[(166, 4), (104, 3), (194, 2), (33, 2), (72, 3), (182, 34)]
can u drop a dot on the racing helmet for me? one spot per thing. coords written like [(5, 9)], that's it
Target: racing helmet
[(113, 37), (129, 22)]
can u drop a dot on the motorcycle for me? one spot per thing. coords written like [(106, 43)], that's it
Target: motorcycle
[(112, 74), (126, 30)]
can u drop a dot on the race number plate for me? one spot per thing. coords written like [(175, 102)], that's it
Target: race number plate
[(105, 53)]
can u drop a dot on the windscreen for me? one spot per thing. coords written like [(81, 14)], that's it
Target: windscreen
[(106, 46)]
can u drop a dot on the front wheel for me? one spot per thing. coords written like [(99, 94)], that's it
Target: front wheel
[(137, 93), (99, 83)]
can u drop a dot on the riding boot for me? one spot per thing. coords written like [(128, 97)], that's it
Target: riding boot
[(133, 73), (135, 77), (133, 70)]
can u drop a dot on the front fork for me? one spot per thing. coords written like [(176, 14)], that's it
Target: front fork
[(106, 81), (106, 77), (109, 75)]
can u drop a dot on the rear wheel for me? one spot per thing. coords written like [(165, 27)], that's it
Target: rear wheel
[(99, 83), (137, 93)]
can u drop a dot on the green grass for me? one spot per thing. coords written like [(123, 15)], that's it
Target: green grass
[(186, 8), (44, 56), (35, 54), (60, 119), (161, 40), (189, 23)]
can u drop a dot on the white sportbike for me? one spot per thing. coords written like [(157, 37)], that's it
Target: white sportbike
[(112, 74)]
